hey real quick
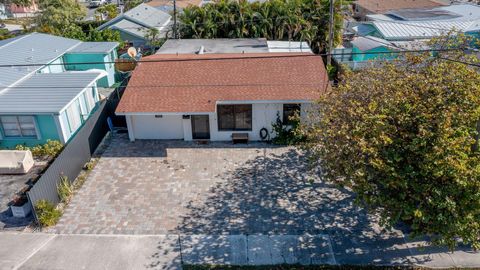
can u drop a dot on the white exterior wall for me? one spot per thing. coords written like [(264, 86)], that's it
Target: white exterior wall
[(148, 127), (175, 127), (263, 115)]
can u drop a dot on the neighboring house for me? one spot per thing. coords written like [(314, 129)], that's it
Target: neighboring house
[(236, 45), (362, 8), (13, 10), (167, 5), (43, 97), (406, 30), (212, 96), (135, 24)]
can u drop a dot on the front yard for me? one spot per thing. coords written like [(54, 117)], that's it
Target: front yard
[(173, 187)]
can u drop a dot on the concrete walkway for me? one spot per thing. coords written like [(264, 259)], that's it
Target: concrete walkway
[(52, 251)]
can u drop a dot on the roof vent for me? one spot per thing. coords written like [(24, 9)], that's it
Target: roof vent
[(201, 50)]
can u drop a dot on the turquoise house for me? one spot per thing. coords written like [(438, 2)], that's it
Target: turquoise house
[(52, 88)]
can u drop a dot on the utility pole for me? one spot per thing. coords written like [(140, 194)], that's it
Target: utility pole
[(175, 19), (330, 33)]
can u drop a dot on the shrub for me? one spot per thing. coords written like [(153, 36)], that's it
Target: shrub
[(287, 134), (50, 149), (47, 214), (65, 189)]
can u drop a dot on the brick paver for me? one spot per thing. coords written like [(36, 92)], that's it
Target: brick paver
[(160, 187)]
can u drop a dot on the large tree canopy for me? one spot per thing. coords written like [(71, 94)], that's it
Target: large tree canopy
[(404, 137), (305, 20)]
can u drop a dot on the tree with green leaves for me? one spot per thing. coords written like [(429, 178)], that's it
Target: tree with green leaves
[(129, 4), (299, 20), (106, 12), (58, 16), (404, 136)]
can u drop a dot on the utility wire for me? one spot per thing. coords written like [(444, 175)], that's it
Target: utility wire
[(248, 56)]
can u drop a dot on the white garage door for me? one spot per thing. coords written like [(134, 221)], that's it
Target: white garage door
[(166, 127)]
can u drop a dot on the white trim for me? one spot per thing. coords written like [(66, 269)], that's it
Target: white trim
[(131, 136), (58, 124), (220, 102)]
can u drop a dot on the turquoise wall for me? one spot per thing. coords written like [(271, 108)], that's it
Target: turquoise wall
[(375, 54), (80, 58), (47, 129)]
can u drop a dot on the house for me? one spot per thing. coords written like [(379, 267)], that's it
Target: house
[(167, 5), (362, 8), (13, 10), (212, 96), (235, 45), (135, 24), (406, 30), (51, 87)]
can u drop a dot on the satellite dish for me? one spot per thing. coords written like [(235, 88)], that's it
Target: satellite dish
[(132, 52)]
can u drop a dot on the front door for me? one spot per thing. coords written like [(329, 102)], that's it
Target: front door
[(200, 127)]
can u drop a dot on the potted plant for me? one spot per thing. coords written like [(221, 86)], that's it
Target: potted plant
[(20, 206)]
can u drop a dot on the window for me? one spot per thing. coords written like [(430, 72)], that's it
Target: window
[(289, 111), (18, 126), (234, 117)]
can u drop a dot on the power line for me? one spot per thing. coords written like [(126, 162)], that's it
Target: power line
[(248, 56)]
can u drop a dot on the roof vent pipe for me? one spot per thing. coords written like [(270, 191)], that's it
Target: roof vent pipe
[(201, 50)]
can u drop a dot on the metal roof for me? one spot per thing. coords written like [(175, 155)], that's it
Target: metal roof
[(278, 46), (236, 45), (142, 16), (366, 44), (148, 15), (43, 92), (399, 30), (40, 49), (131, 28), (34, 48), (94, 47)]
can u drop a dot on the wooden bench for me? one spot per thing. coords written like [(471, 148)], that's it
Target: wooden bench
[(239, 138)]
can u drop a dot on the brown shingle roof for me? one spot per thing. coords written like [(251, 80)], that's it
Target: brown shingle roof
[(382, 6), (193, 83)]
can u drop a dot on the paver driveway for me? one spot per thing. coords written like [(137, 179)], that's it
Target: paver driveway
[(164, 187)]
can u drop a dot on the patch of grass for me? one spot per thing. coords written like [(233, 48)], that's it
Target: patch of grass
[(65, 189), (47, 213)]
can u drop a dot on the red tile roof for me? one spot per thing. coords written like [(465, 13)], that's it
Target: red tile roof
[(382, 6), (193, 83)]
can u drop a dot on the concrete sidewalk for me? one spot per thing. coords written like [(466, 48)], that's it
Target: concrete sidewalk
[(51, 251)]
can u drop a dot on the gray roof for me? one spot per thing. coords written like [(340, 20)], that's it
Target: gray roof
[(33, 48), (42, 93), (131, 28), (366, 44), (141, 16), (94, 47), (39, 49), (236, 45), (148, 15)]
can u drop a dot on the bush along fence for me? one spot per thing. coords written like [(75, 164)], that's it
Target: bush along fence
[(76, 153)]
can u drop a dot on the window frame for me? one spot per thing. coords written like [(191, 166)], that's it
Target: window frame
[(285, 119), (4, 136), (234, 118)]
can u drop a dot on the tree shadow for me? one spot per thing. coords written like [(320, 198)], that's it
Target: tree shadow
[(274, 198)]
